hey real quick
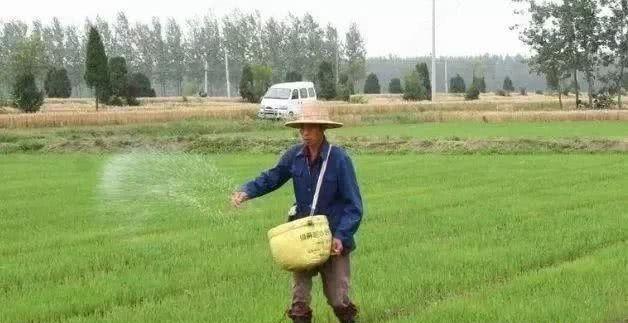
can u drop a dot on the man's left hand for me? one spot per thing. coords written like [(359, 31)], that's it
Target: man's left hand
[(336, 247)]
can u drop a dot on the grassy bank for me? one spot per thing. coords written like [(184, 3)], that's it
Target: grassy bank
[(378, 136)]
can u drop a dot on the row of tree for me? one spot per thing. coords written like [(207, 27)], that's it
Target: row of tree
[(173, 55), (256, 79), (458, 85), (417, 85), (493, 68), (108, 77), (569, 37)]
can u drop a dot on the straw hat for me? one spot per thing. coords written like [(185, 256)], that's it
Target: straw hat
[(313, 114)]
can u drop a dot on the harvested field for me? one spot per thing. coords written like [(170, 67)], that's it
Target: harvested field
[(81, 112), (349, 115)]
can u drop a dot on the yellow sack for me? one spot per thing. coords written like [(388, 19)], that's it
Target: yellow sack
[(301, 244), (304, 243)]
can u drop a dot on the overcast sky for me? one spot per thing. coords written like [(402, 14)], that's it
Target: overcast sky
[(403, 28)]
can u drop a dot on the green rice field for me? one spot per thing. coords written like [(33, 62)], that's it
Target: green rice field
[(150, 237)]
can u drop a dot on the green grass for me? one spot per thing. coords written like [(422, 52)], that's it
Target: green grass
[(477, 130), (566, 129), (194, 135), (149, 237)]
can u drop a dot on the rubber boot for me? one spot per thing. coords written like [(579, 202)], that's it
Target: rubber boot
[(302, 320), (300, 313), (346, 314)]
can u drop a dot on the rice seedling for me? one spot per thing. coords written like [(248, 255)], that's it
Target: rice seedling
[(134, 238)]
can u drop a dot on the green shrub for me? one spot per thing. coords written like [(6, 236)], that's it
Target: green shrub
[(480, 83), (424, 77), (116, 101), (344, 88), (502, 93), (26, 96), (343, 92), (255, 80), (457, 85), (358, 99), (603, 102), (539, 92), (523, 91), (140, 87), (118, 77), (371, 85), (507, 86), (57, 84), (97, 67), (132, 101), (414, 89), (395, 86), (246, 84), (326, 81), (473, 93)]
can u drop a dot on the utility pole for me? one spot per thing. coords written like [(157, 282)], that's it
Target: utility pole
[(433, 49), (221, 31), (337, 69), (446, 79), (227, 73), (206, 77)]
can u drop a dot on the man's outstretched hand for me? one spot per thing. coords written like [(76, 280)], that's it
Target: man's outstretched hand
[(238, 198), (336, 247)]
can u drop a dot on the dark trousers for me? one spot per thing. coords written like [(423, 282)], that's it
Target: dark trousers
[(335, 274)]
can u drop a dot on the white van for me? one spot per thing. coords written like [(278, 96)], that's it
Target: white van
[(285, 100)]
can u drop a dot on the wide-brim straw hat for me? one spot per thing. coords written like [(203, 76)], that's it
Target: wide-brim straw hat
[(313, 114)]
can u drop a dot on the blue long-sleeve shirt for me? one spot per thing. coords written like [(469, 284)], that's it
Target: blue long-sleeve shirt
[(339, 197)]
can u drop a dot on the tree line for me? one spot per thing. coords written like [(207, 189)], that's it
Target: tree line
[(108, 77), (417, 86), (574, 38), (494, 68), (173, 55)]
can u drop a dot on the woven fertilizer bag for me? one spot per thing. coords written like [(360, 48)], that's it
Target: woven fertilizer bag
[(305, 243), (301, 244)]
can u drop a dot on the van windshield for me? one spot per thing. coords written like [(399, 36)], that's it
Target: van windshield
[(277, 93)]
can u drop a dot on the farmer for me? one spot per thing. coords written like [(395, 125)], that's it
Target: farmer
[(339, 199)]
